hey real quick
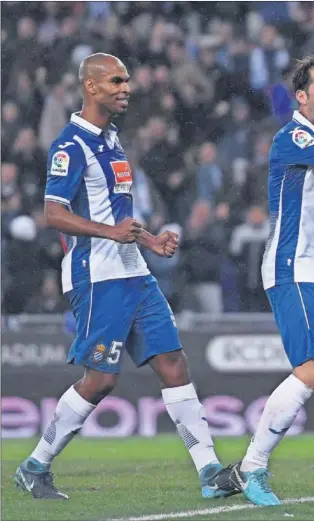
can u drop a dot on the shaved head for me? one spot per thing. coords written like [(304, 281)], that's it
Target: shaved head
[(97, 64), (104, 81)]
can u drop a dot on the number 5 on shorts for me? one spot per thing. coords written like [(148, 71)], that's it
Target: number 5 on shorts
[(115, 352)]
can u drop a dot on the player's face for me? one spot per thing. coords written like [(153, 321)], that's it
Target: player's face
[(311, 97), (306, 99), (113, 91)]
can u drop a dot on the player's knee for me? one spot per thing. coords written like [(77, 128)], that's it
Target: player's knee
[(174, 359), (94, 385), (172, 368), (305, 373)]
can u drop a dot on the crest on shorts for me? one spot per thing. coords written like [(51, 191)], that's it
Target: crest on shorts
[(99, 353), (302, 138)]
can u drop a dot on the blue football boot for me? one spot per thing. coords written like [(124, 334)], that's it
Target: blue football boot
[(254, 485)]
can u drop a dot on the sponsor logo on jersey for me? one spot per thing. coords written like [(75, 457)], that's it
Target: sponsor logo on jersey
[(123, 176), (302, 138), (60, 164)]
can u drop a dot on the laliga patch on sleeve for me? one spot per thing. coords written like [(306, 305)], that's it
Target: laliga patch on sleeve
[(302, 138), (123, 177), (60, 163)]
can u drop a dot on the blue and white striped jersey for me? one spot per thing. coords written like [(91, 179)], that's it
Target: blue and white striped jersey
[(88, 171), (289, 254)]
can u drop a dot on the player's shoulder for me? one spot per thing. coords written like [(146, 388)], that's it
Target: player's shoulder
[(294, 134), (66, 147), (65, 153), (66, 140), (284, 134)]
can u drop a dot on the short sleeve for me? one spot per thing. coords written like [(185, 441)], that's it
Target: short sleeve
[(65, 170), (297, 147)]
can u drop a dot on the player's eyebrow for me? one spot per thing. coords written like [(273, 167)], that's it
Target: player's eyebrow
[(119, 79)]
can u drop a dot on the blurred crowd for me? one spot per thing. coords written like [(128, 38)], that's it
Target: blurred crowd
[(211, 84)]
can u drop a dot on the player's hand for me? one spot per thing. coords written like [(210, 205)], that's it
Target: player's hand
[(166, 244), (126, 231)]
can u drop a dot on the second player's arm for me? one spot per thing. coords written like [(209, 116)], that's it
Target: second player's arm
[(60, 218)]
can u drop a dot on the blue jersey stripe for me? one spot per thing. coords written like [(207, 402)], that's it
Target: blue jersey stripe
[(290, 223), (82, 249)]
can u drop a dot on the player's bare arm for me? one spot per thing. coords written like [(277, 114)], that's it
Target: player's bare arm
[(59, 217)]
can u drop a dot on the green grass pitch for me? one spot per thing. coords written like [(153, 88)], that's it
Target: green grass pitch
[(124, 478)]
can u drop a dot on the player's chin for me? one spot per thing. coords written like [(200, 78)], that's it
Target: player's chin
[(118, 112), (121, 108)]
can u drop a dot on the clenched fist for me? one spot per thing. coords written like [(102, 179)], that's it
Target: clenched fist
[(166, 244)]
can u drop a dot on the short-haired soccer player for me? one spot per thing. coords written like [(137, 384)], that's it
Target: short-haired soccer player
[(117, 303)]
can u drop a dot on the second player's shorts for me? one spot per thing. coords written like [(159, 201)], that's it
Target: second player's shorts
[(117, 315), (293, 307)]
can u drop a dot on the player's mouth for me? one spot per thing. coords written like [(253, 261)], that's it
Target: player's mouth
[(123, 102)]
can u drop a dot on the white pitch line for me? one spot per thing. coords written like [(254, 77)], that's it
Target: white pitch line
[(207, 511)]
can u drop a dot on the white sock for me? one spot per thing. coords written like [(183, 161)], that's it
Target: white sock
[(280, 410), (189, 417), (71, 412)]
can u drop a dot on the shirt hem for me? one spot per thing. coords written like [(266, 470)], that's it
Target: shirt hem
[(287, 281), (66, 289)]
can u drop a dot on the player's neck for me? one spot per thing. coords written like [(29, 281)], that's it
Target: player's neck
[(305, 113), (92, 115)]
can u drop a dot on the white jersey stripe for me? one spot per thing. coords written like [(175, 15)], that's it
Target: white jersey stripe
[(100, 211), (304, 256), (303, 306), (57, 199), (67, 268), (90, 309)]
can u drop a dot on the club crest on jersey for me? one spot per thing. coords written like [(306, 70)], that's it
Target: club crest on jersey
[(99, 353), (60, 163), (123, 177), (302, 138)]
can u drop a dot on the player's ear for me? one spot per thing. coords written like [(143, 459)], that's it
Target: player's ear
[(90, 86), (301, 97)]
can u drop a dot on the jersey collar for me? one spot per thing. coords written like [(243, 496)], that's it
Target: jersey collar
[(86, 125), (297, 116)]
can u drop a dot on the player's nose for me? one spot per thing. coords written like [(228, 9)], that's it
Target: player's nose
[(126, 88)]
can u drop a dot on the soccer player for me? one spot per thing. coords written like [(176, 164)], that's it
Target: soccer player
[(117, 303), (288, 277)]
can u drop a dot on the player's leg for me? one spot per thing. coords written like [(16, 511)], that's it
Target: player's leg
[(154, 339), (293, 306), (73, 408), (98, 347), (184, 407), (189, 416)]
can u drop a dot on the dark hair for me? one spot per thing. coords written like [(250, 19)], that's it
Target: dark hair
[(301, 78)]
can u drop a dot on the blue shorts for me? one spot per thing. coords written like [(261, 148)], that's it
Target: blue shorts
[(293, 307), (116, 315)]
